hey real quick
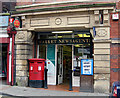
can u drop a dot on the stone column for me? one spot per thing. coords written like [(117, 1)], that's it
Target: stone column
[(102, 60), (24, 52)]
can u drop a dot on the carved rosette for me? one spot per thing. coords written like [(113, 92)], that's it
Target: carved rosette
[(58, 21), (102, 33), (20, 35)]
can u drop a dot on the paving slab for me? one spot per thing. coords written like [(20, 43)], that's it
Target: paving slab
[(29, 91)]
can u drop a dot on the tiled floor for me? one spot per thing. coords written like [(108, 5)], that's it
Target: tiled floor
[(62, 87)]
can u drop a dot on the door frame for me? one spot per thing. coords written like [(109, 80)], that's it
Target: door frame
[(62, 58)]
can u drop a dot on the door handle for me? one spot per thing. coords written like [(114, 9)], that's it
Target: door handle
[(60, 75)]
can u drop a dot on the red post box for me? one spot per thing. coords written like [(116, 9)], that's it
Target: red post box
[(36, 72)]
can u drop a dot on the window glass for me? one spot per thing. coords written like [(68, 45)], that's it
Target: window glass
[(51, 36), (81, 35), (42, 51), (81, 51), (64, 36), (101, 17)]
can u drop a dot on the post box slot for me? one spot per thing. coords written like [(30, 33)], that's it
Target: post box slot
[(39, 62), (31, 62)]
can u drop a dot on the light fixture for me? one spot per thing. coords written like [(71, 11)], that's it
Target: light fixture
[(62, 32)]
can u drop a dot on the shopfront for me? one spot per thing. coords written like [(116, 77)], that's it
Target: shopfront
[(63, 51), (63, 35)]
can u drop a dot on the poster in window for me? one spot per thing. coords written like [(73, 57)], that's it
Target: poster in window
[(87, 67)]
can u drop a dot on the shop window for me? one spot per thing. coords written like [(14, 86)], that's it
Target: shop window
[(53, 36), (5, 10), (42, 51), (33, 1), (64, 36), (81, 35), (81, 51), (48, 36), (101, 17)]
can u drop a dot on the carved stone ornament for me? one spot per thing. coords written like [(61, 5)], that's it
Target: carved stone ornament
[(58, 21), (102, 33), (20, 35)]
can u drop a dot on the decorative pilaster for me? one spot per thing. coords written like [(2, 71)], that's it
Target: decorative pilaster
[(102, 59), (24, 52)]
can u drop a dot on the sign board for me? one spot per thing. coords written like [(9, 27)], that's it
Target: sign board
[(94, 32), (11, 20), (16, 23), (65, 41), (115, 16), (86, 66), (4, 20)]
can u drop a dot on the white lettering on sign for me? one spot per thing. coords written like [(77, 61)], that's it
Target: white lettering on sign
[(115, 16), (87, 67)]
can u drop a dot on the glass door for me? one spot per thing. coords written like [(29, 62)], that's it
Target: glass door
[(60, 64), (51, 64)]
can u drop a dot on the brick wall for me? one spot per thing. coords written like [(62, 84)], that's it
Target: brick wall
[(115, 50), (118, 5)]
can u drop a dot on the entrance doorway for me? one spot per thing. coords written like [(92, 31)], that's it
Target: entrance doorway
[(64, 51), (64, 63)]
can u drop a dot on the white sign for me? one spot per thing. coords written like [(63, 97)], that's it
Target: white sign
[(51, 68), (87, 67), (115, 16)]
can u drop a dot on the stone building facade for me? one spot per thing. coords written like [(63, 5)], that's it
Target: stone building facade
[(71, 15)]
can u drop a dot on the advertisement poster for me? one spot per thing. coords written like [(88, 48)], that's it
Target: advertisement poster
[(4, 20), (51, 60), (87, 67), (51, 68)]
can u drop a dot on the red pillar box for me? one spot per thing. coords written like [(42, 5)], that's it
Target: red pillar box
[(36, 72)]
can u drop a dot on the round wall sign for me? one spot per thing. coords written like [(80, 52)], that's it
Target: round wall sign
[(16, 23)]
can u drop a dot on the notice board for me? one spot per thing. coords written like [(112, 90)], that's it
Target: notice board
[(86, 66)]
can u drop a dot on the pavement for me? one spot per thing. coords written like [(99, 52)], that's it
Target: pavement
[(16, 91)]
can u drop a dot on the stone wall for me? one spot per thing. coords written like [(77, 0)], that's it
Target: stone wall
[(102, 54), (101, 66), (24, 52)]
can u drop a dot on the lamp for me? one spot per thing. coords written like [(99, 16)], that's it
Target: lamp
[(62, 32)]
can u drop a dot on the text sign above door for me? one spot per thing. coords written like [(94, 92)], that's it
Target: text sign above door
[(65, 41)]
